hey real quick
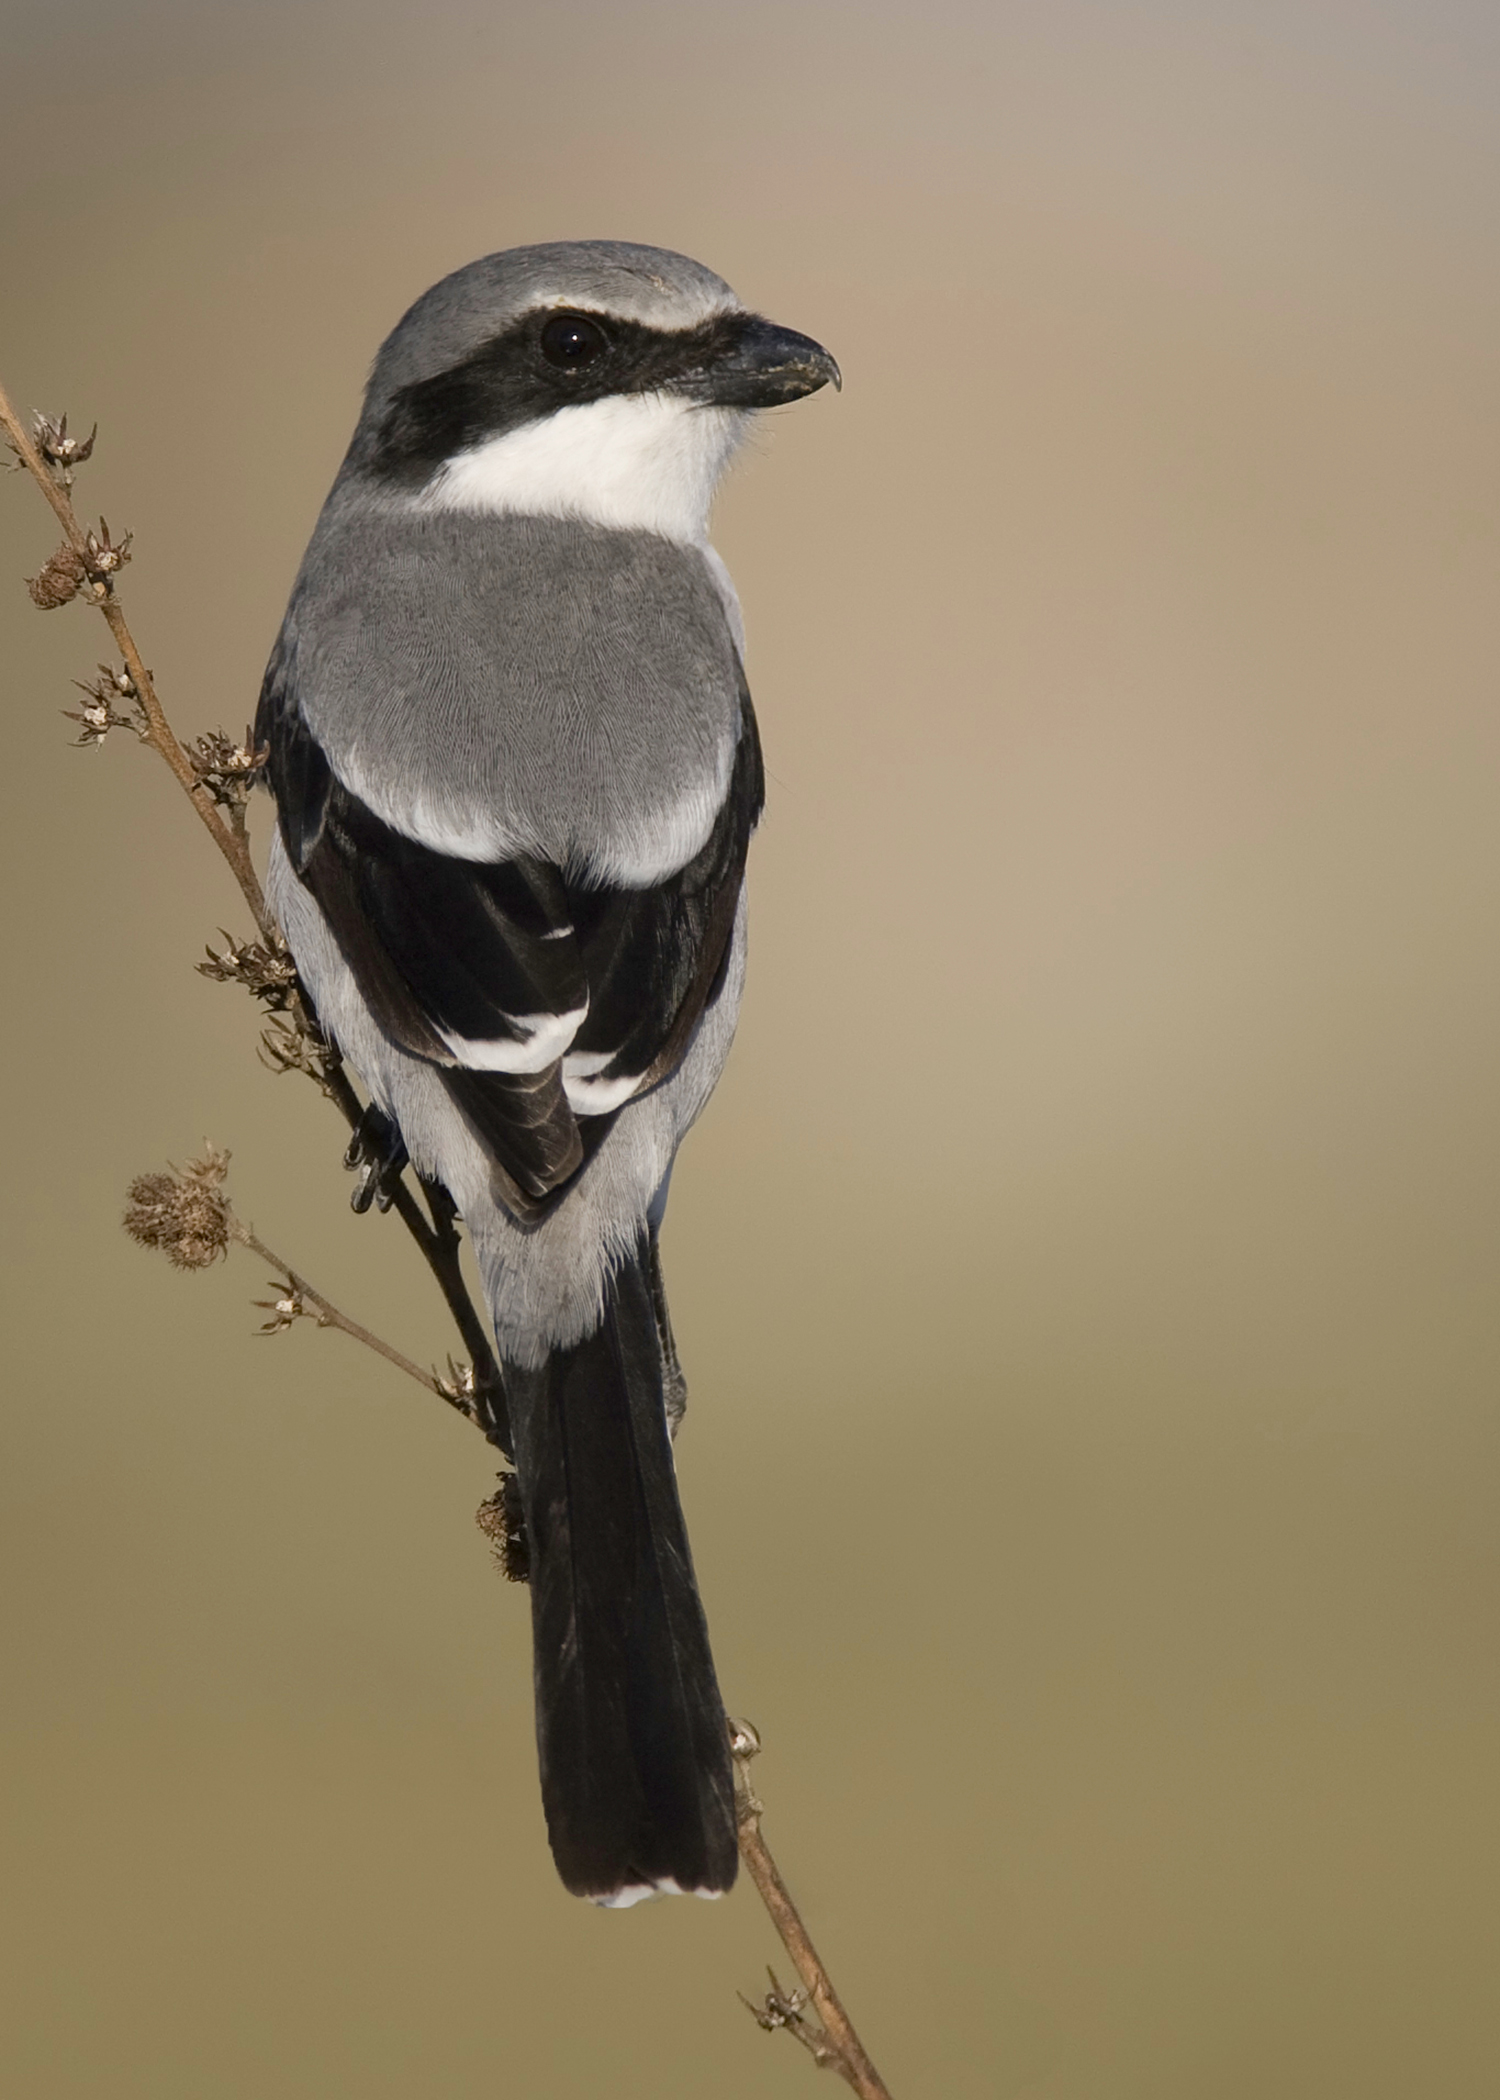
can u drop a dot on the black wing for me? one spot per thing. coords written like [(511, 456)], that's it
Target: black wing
[(483, 952)]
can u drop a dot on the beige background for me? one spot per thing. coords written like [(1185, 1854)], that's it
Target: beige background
[(1087, 1271)]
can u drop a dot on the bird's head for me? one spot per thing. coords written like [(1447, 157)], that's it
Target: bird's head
[(596, 380)]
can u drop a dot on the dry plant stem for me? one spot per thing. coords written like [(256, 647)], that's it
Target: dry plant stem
[(437, 1239), (158, 730), (328, 1314), (845, 2052), (442, 1248)]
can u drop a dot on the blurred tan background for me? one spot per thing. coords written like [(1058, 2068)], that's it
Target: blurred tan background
[(1086, 1273)]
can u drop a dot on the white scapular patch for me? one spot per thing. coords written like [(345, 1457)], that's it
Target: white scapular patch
[(588, 1095), (636, 462), (656, 846), (547, 1037), (642, 847)]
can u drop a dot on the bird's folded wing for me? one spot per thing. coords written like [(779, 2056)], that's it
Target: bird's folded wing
[(654, 958), (544, 1003)]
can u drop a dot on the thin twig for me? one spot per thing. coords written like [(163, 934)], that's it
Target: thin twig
[(835, 2045), (185, 1213), (327, 1314), (437, 1241), (443, 1247), (158, 732)]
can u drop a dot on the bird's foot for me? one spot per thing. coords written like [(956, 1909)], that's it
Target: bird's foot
[(377, 1152)]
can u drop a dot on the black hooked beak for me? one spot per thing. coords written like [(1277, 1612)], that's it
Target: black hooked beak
[(761, 365)]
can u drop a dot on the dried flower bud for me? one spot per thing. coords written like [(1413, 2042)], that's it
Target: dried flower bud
[(61, 452), (264, 968), (98, 720), (105, 557), (503, 1523), (101, 715), (229, 770), (288, 1305), (182, 1211), (459, 1386), (287, 1046), (60, 579), (780, 2008)]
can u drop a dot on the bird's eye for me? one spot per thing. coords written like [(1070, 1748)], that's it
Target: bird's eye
[(571, 341)]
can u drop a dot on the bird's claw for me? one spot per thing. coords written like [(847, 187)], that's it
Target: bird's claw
[(377, 1152)]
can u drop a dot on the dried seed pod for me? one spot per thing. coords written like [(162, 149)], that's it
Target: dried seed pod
[(182, 1212), (60, 579), (503, 1523)]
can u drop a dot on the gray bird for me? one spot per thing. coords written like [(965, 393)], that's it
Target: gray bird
[(516, 772)]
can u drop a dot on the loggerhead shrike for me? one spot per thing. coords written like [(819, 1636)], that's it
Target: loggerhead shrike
[(516, 772)]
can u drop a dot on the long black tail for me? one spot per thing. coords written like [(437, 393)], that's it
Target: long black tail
[(636, 1778)]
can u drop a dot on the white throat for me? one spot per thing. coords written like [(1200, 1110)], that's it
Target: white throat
[(637, 462)]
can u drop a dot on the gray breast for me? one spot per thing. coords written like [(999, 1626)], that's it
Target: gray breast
[(515, 684)]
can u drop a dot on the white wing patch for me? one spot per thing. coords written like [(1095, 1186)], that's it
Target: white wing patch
[(588, 1095), (547, 1037)]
